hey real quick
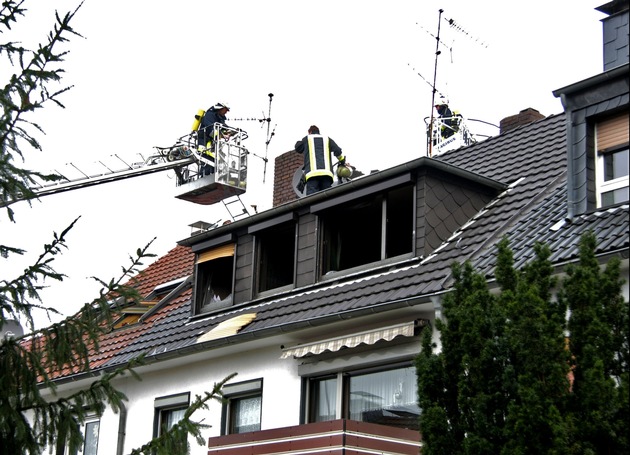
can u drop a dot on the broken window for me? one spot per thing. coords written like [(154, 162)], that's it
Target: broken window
[(372, 229), (276, 256), (214, 278)]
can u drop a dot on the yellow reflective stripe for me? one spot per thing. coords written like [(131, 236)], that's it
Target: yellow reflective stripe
[(315, 169), (319, 173), (311, 152)]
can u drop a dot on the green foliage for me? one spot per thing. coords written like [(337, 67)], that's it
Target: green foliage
[(29, 364), (500, 384), (599, 348)]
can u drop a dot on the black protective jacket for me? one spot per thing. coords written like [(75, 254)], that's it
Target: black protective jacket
[(317, 151)]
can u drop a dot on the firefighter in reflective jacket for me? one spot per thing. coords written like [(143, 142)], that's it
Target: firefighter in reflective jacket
[(216, 114), (318, 150)]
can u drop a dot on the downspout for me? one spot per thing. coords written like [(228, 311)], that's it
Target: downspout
[(122, 425), (571, 202)]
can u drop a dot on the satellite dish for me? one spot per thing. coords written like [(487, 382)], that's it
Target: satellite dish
[(295, 183), (11, 329)]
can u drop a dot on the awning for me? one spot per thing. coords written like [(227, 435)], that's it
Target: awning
[(350, 341)]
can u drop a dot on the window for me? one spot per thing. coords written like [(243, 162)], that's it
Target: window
[(613, 177), (90, 432), (373, 229), (611, 165), (243, 407), (276, 256), (168, 411), (90, 435), (214, 278), (382, 396)]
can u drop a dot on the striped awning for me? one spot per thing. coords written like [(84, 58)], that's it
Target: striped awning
[(350, 341)]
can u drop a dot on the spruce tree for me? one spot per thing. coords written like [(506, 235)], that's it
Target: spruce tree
[(598, 327), (28, 421), (511, 379), (538, 386)]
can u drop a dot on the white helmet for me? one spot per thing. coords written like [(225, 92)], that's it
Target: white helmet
[(442, 101), (218, 106)]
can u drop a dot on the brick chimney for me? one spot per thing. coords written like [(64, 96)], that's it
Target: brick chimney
[(285, 166), (525, 117)]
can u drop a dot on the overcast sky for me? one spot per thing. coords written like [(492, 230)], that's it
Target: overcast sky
[(361, 71)]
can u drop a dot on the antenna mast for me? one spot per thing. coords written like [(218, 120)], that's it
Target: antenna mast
[(269, 136), (437, 53)]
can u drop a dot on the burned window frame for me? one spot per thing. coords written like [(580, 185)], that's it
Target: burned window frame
[(212, 265), (275, 253), (372, 229)]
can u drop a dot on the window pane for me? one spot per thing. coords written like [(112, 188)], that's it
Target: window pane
[(214, 283), (399, 222), (277, 251), (615, 196), (246, 414), (324, 402), (385, 397), (615, 165), (352, 236), (90, 446), (174, 416)]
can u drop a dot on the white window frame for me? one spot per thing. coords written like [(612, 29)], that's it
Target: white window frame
[(604, 186)]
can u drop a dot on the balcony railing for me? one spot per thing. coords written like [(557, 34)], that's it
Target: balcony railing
[(346, 437)]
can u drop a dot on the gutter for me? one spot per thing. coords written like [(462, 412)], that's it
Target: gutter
[(249, 336), (619, 71), (288, 328)]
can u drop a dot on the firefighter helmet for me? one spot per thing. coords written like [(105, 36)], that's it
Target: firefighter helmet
[(344, 172), (441, 102)]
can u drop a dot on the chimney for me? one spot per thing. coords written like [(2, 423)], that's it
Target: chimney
[(285, 167), (525, 117)]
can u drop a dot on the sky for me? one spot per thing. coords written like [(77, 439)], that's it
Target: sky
[(361, 71)]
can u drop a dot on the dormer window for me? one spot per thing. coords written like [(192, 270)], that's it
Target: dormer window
[(214, 278), (369, 230), (611, 164), (275, 249)]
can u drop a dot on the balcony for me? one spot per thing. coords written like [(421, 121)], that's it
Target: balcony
[(346, 437)]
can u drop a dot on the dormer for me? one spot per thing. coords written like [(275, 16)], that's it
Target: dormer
[(598, 115), (370, 225)]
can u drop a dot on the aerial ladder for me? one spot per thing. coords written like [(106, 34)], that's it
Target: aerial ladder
[(198, 178)]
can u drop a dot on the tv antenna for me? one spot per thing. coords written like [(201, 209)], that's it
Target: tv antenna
[(270, 134), (433, 89)]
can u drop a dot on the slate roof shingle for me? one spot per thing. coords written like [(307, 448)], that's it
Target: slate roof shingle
[(532, 159)]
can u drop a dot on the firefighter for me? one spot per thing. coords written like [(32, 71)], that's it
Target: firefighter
[(317, 150), (216, 114), (450, 124)]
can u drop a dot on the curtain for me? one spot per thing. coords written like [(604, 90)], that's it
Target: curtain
[(385, 396), (247, 414)]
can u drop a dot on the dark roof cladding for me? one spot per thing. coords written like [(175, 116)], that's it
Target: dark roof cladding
[(530, 163)]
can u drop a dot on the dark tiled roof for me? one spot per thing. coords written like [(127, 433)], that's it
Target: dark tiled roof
[(532, 159)]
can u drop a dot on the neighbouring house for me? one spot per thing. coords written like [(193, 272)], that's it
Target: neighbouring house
[(317, 304)]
